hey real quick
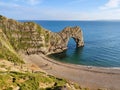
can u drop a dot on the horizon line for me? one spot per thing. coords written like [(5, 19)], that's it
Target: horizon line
[(66, 20)]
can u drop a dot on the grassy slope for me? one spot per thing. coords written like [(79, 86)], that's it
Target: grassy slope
[(16, 77), (6, 50), (29, 81)]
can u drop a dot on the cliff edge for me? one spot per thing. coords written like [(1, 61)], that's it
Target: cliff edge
[(31, 38)]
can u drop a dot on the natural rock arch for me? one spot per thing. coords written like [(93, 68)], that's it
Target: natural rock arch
[(59, 41), (72, 41), (75, 33)]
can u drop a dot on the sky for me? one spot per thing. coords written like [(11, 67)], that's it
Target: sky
[(61, 9)]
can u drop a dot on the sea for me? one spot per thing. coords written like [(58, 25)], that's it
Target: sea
[(102, 43)]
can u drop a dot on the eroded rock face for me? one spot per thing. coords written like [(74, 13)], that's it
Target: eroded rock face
[(30, 38), (59, 41), (73, 32)]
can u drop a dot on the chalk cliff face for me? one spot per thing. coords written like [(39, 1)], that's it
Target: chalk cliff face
[(59, 41), (30, 38)]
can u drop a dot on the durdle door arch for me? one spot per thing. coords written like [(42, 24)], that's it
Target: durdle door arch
[(60, 40), (75, 33)]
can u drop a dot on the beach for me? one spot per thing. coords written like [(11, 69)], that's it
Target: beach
[(86, 76)]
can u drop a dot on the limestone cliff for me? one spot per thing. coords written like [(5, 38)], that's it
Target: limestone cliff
[(59, 41), (30, 38)]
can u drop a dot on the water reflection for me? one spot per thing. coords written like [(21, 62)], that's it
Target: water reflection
[(78, 51)]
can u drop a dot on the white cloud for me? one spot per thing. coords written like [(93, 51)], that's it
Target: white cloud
[(105, 15), (109, 11), (76, 1), (111, 4), (63, 15), (32, 2), (29, 2), (8, 4), (23, 10)]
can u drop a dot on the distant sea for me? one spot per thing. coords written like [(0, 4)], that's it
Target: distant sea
[(102, 43)]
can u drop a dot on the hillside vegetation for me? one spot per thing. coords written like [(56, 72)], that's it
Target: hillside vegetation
[(7, 51), (14, 75), (30, 77), (27, 38)]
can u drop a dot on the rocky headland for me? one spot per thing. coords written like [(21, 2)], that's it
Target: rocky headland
[(30, 38)]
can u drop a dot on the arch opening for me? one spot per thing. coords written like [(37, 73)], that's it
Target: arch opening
[(71, 43)]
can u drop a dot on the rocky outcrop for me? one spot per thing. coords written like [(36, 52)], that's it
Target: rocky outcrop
[(30, 38), (59, 41)]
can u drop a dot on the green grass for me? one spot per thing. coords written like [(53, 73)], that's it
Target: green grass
[(31, 80), (4, 81), (7, 52), (77, 86)]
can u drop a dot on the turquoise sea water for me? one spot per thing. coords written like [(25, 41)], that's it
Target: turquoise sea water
[(102, 43)]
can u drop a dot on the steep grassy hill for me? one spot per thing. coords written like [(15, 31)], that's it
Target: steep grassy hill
[(7, 51)]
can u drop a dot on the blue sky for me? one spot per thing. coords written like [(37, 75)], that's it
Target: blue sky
[(61, 9)]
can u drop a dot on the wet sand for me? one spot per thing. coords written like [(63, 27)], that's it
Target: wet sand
[(86, 76)]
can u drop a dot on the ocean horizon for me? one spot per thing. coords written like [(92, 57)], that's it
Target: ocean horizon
[(101, 37)]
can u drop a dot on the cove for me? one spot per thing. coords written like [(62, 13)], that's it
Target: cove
[(102, 43)]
